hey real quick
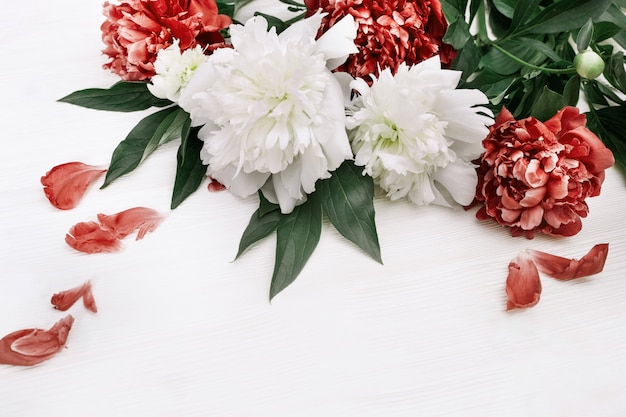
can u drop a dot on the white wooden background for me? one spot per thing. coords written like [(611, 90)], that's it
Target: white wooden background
[(184, 332)]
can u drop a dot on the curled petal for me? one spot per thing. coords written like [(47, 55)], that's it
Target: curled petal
[(66, 299), (566, 269), (32, 346), (90, 237), (65, 184), (523, 286), (126, 222)]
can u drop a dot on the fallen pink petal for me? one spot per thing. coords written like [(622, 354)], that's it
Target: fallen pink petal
[(566, 268), (90, 237), (126, 222), (523, 286), (30, 347), (65, 184), (65, 299)]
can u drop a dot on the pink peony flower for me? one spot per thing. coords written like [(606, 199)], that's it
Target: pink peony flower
[(389, 32), (535, 177), (136, 30)]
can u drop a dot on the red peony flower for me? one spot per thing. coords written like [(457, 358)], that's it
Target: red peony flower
[(535, 177), (136, 30), (389, 32)]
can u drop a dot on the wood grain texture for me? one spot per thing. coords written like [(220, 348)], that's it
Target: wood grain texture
[(184, 332)]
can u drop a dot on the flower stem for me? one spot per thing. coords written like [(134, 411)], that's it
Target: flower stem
[(535, 67)]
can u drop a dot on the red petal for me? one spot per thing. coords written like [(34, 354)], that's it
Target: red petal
[(566, 269), (90, 237), (32, 346), (215, 185), (126, 222), (66, 299), (66, 184), (523, 286)]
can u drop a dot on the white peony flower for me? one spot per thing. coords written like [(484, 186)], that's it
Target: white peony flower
[(415, 132), (272, 111), (174, 70)]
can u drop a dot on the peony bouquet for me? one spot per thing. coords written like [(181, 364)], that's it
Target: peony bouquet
[(315, 108)]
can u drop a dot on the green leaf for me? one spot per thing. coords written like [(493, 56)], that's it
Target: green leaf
[(259, 227), (505, 7), (614, 15), (467, 59), (348, 200), (453, 9), (265, 206), (605, 30), (226, 7), (151, 132), (505, 65), (273, 22), (190, 171), (542, 47), (593, 94), (614, 71), (585, 34), (565, 15), (123, 96), (522, 12), (571, 92), (297, 235), (609, 124), (458, 33), (548, 104)]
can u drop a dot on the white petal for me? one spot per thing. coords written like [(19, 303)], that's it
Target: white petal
[(242, 184), (338, 42), (305, 28), (459, 178)]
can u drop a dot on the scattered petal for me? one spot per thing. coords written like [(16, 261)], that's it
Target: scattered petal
[(66, 299), (105, 236), (566, 269), (523, 286), (65, 184), (32, 346), (90, 237), (126, 222), (215, 185)]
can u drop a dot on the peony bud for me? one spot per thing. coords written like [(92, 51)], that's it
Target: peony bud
[(588, 64)]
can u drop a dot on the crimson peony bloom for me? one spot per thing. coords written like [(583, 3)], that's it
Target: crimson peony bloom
[(136, 30), (389, 32), (535, 177)]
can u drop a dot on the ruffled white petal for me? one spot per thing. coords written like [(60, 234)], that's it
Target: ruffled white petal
[(338, 42), (414, 132), (273, 112), (459, 179)]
